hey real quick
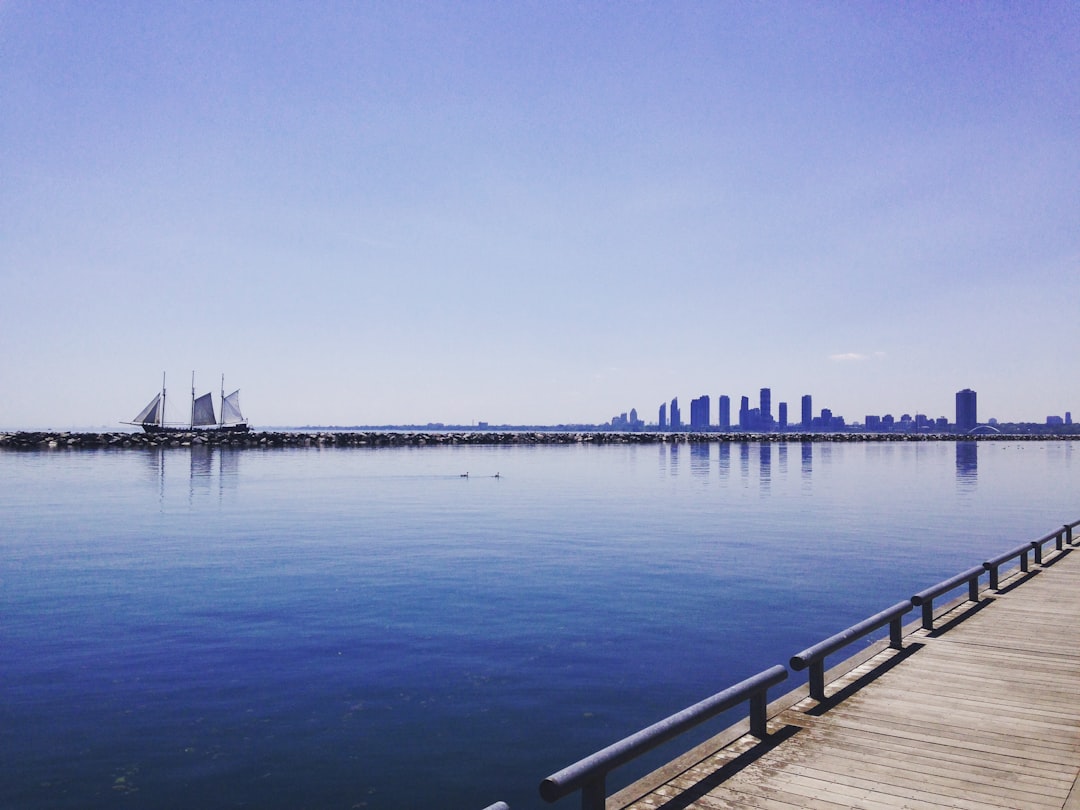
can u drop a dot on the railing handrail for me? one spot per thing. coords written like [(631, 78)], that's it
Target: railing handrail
[(498, 806), (802, 660), (947, 585), (593, 768), (1046, 538), (1005, 556), (814, 657)]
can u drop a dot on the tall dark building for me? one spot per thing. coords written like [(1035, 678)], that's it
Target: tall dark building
[(699, 412), (663, 416), (744, 413), (966, 418), (807, 411), (723, 406), (783, 416), (676, 417), (766, 407)]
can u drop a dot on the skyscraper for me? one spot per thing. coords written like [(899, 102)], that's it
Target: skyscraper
[(744, 413), (807, 411), (966, 418), (699, 412), (724, 407), (663, 416), (766, 406), (783, 415), (676, 417)]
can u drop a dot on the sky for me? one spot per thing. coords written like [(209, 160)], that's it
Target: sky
[(537, 212)]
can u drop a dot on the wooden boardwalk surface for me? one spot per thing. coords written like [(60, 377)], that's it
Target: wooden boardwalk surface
[(983, 712)]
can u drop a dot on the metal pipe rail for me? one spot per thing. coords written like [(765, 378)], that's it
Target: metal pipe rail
[(1036, 545), (994, 563), (814, 657), (1069, 531), (589, 774), (925, 598), (498, 806)]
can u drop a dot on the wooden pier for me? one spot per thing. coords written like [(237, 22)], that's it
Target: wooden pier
[(983, 711)]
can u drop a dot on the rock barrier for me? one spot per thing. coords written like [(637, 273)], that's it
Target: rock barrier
[(48, 440)]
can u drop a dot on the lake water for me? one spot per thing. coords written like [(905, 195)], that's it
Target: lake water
[(345, 628)]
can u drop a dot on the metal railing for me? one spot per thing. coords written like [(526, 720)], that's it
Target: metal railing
[(925, 598), (589, 774), (814, 657), (994, 563), (1069, 531)]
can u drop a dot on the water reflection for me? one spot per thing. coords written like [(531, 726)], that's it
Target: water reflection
[(967, 464), (761, 464), (725, 459), (699, 458), (205, 470), (202, 462)]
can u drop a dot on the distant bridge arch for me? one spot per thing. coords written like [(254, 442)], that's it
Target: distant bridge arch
[(981, 430)]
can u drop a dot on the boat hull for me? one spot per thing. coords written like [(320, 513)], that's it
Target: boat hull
[(241, 428)]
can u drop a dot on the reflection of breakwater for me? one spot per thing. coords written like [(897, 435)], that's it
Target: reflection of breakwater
[(33, 440)]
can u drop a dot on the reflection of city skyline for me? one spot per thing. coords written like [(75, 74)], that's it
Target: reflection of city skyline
[(702, 459), (967, 463)]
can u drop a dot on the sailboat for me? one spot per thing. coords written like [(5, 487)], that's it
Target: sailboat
[(152, 417)]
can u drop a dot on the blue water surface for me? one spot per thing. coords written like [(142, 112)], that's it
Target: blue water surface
[(346, 628)]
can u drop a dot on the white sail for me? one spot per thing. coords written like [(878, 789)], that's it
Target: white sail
[(230, 409), (151, 414), (202, 411)]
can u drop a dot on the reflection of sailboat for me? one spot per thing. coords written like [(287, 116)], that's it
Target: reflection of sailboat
[(152, 417)]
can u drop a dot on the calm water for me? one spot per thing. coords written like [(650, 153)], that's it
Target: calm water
[(366, 628)]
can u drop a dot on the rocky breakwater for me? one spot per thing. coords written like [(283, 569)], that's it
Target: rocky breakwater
[(49, 440)]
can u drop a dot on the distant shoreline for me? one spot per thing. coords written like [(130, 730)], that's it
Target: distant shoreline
[(55, 440)]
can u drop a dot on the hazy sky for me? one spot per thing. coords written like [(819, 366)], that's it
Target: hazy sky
[(537, 212)]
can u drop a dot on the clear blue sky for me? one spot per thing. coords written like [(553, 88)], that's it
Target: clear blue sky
[(537, 212)]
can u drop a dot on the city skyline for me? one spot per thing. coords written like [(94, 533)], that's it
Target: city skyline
[(527, 214), (760, 419)]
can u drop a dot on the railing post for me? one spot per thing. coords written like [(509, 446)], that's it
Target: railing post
[(896, 634), (973, 589), (993, 577), (1058, 538), (927, 615), (1036, 546), (817, 680), (758, 719), (594, 794), (1023, 562), (1068, 533)]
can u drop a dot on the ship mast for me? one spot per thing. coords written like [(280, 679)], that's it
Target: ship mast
[(191, 424), (221, 416), (161, 413)]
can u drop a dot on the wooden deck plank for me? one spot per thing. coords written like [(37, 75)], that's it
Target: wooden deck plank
[(982, 714)]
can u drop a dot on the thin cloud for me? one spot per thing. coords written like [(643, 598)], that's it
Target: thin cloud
[(845, 357)]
